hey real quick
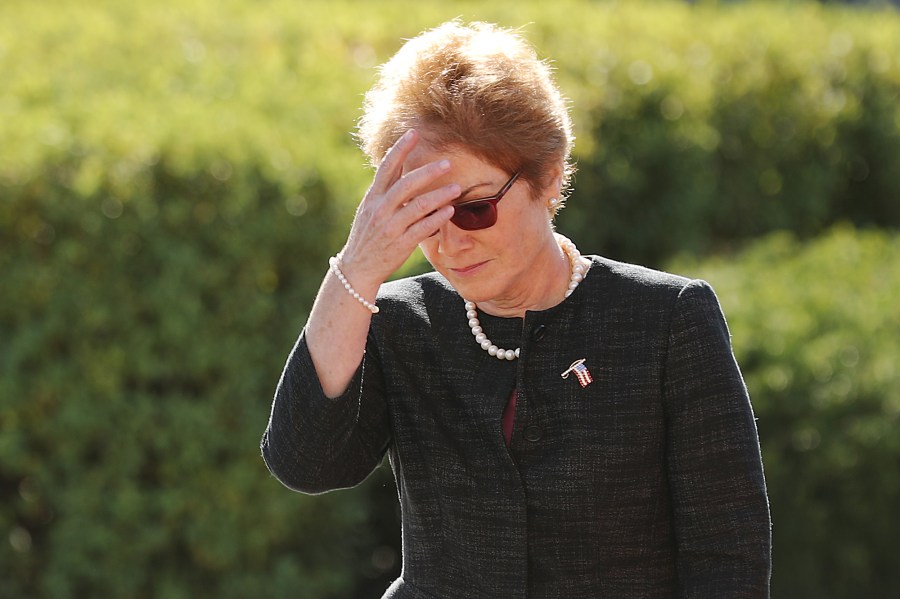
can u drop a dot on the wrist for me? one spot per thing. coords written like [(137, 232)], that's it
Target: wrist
[(335, 264)]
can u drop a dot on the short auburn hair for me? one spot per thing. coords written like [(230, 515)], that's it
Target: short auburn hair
[(476, 87)]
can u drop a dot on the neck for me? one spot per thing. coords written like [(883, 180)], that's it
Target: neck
[(546, 287)]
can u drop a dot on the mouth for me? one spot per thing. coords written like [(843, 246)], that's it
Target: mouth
[(468, 270)]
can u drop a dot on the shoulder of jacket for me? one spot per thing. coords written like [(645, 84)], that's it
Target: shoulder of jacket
[(622, 276), (416, 299), (415, 288)]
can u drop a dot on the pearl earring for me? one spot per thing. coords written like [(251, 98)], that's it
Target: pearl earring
[(554, 202)]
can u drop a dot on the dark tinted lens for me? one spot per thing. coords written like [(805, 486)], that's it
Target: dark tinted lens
[(474, 216)]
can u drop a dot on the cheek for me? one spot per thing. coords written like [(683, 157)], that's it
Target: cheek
[(429, 248), (524, 224), (537, 219)]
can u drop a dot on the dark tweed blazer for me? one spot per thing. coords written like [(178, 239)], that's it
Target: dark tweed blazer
[(645, 483)]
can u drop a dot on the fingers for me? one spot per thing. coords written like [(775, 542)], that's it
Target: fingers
[(400, 209), (423, 206), (391, 165), (417, 187), (424, 228), (392, 187)]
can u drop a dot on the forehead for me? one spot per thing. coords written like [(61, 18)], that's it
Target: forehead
[(461, 160)]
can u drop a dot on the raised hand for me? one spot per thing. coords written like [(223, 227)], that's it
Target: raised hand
[(397, 213)]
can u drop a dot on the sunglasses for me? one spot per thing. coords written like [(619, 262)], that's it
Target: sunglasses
[(480, 213)]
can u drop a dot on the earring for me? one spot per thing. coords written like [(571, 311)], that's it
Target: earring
[(554, 202)]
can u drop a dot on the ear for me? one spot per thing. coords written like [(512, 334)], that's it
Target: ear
[(551, 194), (554, 182)]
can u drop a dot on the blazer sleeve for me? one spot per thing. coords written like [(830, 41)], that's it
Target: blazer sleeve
[(314, 443), (715, 473)]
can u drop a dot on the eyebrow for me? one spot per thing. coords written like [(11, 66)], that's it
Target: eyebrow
[(470, 189)]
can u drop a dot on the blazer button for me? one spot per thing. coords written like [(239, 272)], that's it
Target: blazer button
[(539, 332), (533, 433)]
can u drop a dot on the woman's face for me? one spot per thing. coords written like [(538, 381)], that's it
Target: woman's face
[(503, 264)]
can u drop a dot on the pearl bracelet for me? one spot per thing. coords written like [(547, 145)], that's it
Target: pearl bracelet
[(335, 263)]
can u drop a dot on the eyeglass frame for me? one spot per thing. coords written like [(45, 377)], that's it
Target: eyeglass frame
[(491, 199)]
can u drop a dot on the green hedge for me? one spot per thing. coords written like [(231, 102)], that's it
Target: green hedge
[(164, 225), (708, 128), (173, 176)]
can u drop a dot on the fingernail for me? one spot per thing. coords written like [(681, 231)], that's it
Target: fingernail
[(444, 165), (408, 135)]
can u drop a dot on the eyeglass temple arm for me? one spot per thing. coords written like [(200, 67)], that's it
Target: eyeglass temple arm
[(494, 198)]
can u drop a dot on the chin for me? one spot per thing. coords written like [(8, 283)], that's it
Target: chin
[(480, 288), (472, 293)]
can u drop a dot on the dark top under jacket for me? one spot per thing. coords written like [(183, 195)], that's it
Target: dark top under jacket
[(646, 483)]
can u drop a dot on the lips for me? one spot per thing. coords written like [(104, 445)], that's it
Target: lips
[(468, 270)]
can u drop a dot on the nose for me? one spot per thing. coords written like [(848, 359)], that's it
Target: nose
[(451, 240)]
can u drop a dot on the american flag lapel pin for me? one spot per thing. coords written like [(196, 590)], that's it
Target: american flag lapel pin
[(581, 372)]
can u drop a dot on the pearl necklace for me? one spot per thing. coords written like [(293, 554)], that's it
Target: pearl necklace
[(578, 271)]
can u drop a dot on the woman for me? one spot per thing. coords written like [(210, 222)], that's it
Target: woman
[(558, 425)]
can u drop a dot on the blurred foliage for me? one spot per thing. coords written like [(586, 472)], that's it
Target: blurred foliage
[(173, 176), (710, 127), (815, 329)]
